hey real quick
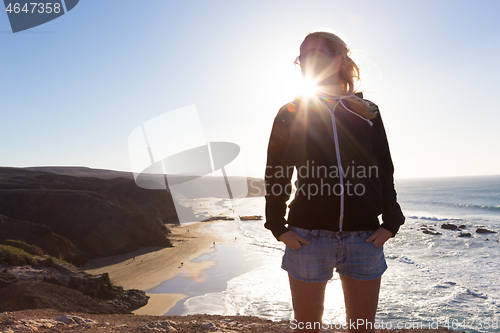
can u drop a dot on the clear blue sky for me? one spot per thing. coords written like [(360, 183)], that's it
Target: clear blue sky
[(73, 89)]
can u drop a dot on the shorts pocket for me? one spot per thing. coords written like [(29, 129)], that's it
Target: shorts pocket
[(378, 247), (298, 249), (365, 234), (305, 233)]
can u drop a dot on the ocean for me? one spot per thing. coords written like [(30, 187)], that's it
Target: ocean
[(431, 280)]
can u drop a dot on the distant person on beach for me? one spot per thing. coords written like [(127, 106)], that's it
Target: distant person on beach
[(336, 141)]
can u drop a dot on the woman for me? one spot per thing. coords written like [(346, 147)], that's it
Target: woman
[(337, 143)]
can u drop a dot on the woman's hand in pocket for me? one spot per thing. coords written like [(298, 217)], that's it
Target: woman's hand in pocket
[(380, 236), (293, 240)]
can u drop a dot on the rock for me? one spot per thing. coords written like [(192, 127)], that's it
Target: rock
[(162, 326), (218, 218), (425, 231), (6, 277), (67, 319), (449, 226), (465, 234), (35, 295), (110, 299), (485, 231), (207, 325), (75, 320), (462, 226), (35, 324)]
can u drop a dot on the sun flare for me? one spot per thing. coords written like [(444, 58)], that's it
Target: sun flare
[(308, 88)]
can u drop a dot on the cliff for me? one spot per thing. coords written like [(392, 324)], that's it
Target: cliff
[(82, 218)]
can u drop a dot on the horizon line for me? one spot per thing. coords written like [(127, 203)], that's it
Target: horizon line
[(127, 171)]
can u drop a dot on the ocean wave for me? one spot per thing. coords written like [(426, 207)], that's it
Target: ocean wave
[(476, 294), (433, 218), (267, 246), (492, 208), (406, 260), (445, 283), (461, 206)]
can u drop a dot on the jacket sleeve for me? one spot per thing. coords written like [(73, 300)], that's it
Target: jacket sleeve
[(392, 216), (279, 171)]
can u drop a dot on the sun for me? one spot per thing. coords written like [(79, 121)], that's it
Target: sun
[(308, 87), (303, 86), (287, 84)]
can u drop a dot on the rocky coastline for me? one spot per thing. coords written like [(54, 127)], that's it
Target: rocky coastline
[(51, 283), (52, 224)]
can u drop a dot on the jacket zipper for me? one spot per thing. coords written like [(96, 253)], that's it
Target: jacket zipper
[(337, 150)]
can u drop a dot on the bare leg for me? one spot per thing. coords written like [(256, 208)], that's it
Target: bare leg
[(361, 300), (308, 301)]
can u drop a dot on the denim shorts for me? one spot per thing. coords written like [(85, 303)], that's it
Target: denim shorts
[(347, 251)]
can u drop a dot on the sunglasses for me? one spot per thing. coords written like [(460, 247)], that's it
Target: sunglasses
[(301, 58)]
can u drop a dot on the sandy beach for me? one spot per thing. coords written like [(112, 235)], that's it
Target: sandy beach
[(148, 267)]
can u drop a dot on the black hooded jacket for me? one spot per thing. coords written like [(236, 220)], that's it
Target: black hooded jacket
[(344, 170)]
